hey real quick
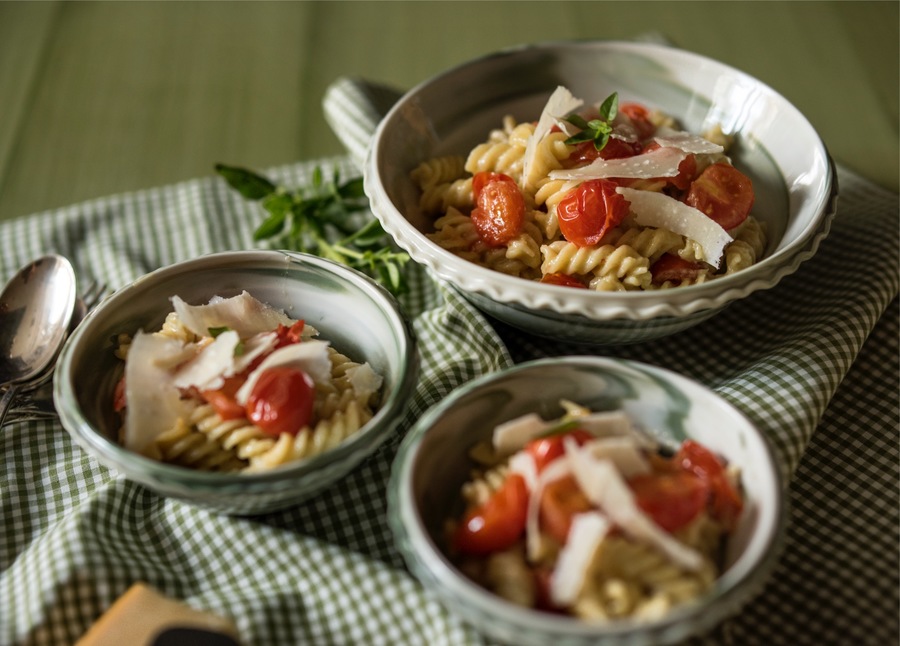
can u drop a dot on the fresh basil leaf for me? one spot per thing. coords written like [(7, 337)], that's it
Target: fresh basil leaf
[(610, 107), (216, 331), (250, 185)]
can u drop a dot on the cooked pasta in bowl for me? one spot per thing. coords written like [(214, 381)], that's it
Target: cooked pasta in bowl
[(601, 191), (587, 500), (242, 381)]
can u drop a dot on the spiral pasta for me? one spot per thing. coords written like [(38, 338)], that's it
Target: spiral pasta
[(533, 161), (342, 397)]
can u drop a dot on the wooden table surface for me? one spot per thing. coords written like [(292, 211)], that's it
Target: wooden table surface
[(99, 98)]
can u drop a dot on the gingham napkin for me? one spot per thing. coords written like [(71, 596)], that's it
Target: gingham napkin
[(75, 535)]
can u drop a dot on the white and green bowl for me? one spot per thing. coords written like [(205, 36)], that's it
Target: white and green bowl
[(356, 315), (433, 462), (794, 178)]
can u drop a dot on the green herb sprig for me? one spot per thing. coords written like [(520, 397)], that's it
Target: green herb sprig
[(596, 130), (323, 219)]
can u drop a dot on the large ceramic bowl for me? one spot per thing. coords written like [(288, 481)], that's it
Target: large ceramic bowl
[(356, 315), (433, 463), (793, 177)]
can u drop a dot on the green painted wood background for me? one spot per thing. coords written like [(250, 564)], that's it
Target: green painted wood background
[(103, 97)]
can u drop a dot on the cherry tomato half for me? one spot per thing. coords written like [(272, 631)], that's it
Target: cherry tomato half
[(496, 524), (564, 280), (499, 211), (687, 169), (545, 450), (672, 500), (673, 268), (119, 402), (589, 210), (586, 152), (223, 401), (560, 501), (723, 193), (281, 401), (639, 116), (727, 503)]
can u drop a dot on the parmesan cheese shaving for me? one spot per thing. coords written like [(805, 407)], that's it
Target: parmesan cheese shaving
[(605, 487), (513, 435), (365, 381), (309, 356), (623, 452), (243, 314), (587, 533), (560, 104), (534, 539), (686, 141), (209, 368), (658, 210), (660, 162), (154, 402)]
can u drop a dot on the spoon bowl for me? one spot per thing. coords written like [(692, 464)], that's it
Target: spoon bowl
[(36, 307)]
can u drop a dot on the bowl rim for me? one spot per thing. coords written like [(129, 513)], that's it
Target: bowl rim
[(633, 305), (357, 447), (413, 539)]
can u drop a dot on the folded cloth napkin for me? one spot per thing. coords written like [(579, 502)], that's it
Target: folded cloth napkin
[(75, 536)]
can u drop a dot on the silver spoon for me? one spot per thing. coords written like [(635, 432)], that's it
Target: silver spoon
[(35, 309)]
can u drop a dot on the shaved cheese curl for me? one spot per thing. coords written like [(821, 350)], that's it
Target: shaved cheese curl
[(658, 210)]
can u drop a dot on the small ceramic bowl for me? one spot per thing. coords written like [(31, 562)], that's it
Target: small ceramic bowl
[(356, 315), (433, 463), (793, 176)]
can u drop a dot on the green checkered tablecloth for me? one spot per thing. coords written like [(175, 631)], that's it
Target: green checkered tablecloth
[(813, 362)]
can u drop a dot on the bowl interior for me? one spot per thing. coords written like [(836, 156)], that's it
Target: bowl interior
[(359, 319), (451, 113), (434, 463)]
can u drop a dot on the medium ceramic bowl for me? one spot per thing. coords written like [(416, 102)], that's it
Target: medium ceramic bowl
[(356, 315), (433, 463), (793, 176)]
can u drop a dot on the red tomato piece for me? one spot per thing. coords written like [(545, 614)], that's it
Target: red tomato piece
[(639, 116), (223, 401), (496, 524), (545, 450), (589, 210), (289, 335), (499, 211), (281, 401), (586, 152), (727, 503), (560, 501), (723, 193), (687, 169), (119, 402), (672, 500), (563, 279), (671, 267)]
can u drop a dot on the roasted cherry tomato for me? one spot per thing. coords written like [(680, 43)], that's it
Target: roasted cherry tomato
[(673, 268), (496, 524), (672, 500), (281, 400), (727, 503), (499, 211), (560, 501), (545, 450), (586, 152), (589, 210), (723, 193), (119, 402), (289, 335), (563, 279), (687, 169), (639, 117), (223, 401)]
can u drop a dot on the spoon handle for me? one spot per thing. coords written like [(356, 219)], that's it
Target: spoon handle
[(7, 400)]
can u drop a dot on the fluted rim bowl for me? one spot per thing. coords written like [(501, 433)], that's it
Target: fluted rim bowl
[(359, 318), (793, 176), (432, 464)]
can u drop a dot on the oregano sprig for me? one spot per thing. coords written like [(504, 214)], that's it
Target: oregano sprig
[(596, 130), (322, 219)]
